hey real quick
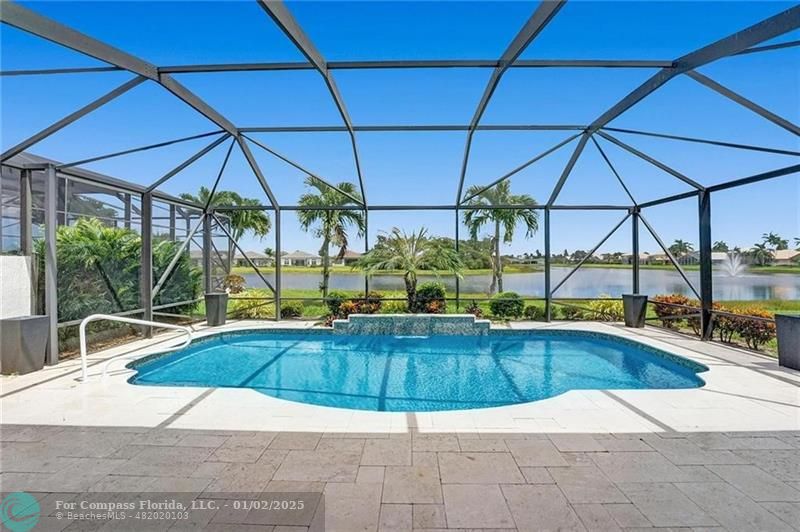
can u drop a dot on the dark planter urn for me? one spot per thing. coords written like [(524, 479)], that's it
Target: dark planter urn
[(635, 308), (23, 344), (788, 340), (216, 308)]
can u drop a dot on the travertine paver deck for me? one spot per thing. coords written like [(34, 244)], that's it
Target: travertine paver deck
[(724, 456), (523, 481)]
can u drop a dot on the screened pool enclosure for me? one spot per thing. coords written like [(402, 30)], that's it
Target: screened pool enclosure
[(39, 194)]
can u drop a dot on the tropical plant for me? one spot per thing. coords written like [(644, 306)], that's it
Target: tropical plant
[(681, 248), (474, 309), (335, 300), (605, 309), (241, 221), (410, 254), (669, 307), (761, 254), (291, 309), (99, 267), (721, 246), (533, 312), (331, 225), (430, 298), (774, 241), (797, 243), (504, 221), (507, 304), (234, 284), (394, 307)]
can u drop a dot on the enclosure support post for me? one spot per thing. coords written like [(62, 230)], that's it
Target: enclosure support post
[(25, 213), (635, 248), (171, 223), (706, 294), (278, 260), (146, 279), (458, 281), (547, 302), (207, 254), (126, 206), (366, 248), (26, 232), (50, 262)]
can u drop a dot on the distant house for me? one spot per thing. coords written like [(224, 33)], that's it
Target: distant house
[(301, 258), (786, 257), (350, 257), (644, 258), (259, 259)]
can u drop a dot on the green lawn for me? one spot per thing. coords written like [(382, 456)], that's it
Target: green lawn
[(348, 270)]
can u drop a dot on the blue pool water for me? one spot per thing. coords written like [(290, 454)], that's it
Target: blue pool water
[(390, 373)]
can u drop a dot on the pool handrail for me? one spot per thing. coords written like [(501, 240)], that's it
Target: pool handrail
[(133, 321)]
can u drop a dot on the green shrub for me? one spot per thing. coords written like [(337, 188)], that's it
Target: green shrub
[(253, 309), (371, 303), (291, 309), (755, 333), (533, 312), (507, 304), (394, 307), (570, 312), (430, 298), (474, 309), (668, 312), (605, 310), (335, 299)]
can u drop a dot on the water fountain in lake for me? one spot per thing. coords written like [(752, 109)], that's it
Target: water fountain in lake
[(733, 265)]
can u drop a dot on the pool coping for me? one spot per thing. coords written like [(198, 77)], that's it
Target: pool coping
[(680, 360), (744, 391)]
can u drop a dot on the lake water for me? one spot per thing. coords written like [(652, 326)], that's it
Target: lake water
[(589, 282)]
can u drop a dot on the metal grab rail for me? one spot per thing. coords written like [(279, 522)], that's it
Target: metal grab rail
[(95, 317)]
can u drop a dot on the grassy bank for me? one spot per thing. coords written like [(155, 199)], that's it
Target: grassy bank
[(348, 270)]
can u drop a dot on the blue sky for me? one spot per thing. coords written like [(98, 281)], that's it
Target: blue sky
[(424, 167)]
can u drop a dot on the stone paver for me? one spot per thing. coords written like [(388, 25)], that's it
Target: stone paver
[(586, 484), (531, 453), (479, 468), (665, 505), (476, 506), (328, 466), (387, 452), (731, 508), (540, 507), (417, 484), (418, 481)]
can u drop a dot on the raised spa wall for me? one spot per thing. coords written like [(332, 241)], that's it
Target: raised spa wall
[(411, 325)]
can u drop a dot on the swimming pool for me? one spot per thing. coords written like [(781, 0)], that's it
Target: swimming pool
[(397, 374)]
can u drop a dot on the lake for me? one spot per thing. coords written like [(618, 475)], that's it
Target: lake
[(589, 282)]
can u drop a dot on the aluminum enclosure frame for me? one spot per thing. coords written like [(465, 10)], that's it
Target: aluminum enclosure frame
[(746, 41)]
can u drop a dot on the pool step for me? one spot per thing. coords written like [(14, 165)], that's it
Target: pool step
[(412, 325)]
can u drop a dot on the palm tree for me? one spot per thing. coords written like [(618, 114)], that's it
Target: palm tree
[(761, 254), (680, 248), (504, 220), (775, 241), (241, 221), (720, 245), (329, 224), (411, 253), (797, 243)]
